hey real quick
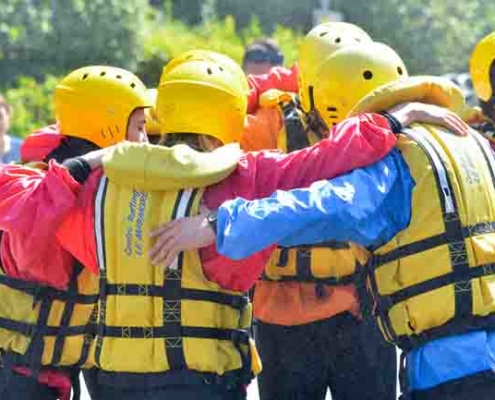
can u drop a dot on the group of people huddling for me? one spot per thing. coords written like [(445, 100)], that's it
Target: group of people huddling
[(359, 202)]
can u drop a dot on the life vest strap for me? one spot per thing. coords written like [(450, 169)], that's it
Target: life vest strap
[(458, 279), (303, 263), (237, 302), (46, 292), (451, 328), (166, 332), (331, 281), (67, 314), (430, 243)]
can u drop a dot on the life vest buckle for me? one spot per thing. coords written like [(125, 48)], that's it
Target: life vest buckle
[(240, 302)]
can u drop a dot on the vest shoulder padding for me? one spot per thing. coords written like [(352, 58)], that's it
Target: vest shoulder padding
[(149, 167), (422, 89)]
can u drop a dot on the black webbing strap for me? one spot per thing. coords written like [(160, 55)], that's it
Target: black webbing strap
[(430, 243), (304, 271), (451, 328), (240, 337), (89, 337), (46, 292), (172, 285), (37, 344), (237, 302), (296, 132), (67, 314)]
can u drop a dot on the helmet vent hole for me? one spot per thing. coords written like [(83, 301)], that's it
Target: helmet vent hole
[(399, 70), (367, 75), (323, 34), (338, 40), (357, 40), (210, 72), (103, 73), (85, 76), (119, 77), (220, 68), (189, 57), (133, 85)]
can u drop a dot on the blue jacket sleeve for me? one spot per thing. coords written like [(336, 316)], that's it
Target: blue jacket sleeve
[(368, 206)]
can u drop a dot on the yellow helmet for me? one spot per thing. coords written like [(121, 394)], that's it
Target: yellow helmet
[(95, 102), (481, 64), (202, 97), (351, 73), (152, 125), (319, 43), (208, 55)]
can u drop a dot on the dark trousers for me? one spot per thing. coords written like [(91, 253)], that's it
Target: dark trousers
[(99, 391), (341, 353), (19, 387)]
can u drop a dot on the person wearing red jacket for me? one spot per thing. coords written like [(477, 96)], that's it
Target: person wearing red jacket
[(25, 193), (81, 135)]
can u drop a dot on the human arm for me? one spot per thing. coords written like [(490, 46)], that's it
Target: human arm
[(33, 204), (277, 78), (368, 206), (353, 143)]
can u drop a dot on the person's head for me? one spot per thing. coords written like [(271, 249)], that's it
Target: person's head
[(322, 41), (482, 68), (260, 56), (102, 105), (201, 102), (5, 115), (351, 73)]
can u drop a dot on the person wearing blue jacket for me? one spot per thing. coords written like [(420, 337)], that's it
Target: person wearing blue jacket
[(381, 207)]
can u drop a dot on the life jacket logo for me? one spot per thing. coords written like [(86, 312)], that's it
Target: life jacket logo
[(135, 221)]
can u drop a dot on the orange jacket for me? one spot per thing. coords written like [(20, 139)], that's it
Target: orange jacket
[(290, 303)]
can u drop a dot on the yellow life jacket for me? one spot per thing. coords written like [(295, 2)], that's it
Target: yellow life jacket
[(331, 263), (173, 321), (41, 325), (436, 277), (153, 321)]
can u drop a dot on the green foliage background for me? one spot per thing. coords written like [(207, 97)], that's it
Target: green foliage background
[(42, 40)]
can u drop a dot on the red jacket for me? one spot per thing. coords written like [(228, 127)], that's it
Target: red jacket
[(35, 148), (278, 78), (37, 206)]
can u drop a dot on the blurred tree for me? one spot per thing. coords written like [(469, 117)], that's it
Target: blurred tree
[(54, 36), (432, 36)]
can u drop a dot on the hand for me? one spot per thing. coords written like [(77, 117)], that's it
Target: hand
[(95, 158), (179, 235), (428, 113)]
